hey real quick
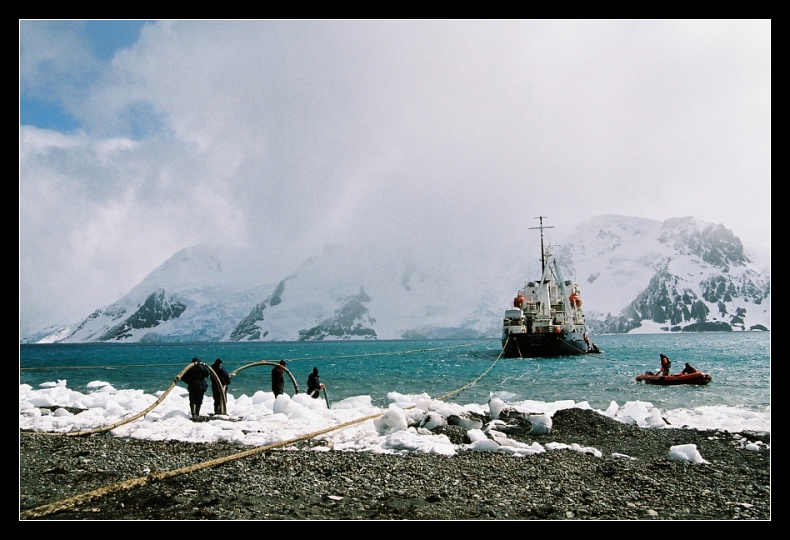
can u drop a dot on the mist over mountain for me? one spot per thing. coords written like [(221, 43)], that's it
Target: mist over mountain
[(637, 275)]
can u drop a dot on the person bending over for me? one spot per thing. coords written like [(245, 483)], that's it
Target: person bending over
[(314, 385)]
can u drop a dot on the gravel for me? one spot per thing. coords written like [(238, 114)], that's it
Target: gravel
[(101, 477)]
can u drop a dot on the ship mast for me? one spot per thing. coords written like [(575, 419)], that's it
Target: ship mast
[(542, 252)]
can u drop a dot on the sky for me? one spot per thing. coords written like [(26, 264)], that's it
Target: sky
[(140, 138), (261, 419)]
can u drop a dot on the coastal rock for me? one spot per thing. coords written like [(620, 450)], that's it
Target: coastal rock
[(467, 421), (514, 421)]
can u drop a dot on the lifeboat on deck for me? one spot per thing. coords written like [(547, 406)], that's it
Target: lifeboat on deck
[(518, 301), (576, 300)]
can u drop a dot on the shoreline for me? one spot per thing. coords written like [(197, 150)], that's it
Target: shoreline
[(633, 479)]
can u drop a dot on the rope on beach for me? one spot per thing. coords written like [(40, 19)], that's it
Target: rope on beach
[(65, 504)]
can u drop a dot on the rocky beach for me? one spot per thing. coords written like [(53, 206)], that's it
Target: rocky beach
[(611, 471)]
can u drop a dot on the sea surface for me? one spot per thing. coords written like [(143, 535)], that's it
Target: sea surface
[(459, 371)]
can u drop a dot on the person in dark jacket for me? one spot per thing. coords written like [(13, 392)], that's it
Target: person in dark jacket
[(278, 378), (688, 369), (219, 391), (195, 379), (314, 385)]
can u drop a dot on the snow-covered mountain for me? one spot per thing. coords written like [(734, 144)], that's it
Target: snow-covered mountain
[(637, 275), (680, 274)]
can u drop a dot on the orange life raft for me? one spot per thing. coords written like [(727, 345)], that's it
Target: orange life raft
[(685, 378)]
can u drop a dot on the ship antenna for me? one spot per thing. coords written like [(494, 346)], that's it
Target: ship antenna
[(542, 252)]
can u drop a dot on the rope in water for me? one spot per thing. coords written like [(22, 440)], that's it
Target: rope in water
[(312, 358)]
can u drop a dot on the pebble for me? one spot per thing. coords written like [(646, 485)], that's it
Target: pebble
[(300, 483)]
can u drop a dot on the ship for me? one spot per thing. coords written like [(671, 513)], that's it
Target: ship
[(546, 317)]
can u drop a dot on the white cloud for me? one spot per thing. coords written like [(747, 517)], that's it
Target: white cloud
[(291, 135)]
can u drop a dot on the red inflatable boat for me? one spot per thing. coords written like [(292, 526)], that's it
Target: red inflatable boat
[(689, 378)]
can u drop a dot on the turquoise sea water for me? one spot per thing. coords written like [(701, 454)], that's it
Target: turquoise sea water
[(739, 362)]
